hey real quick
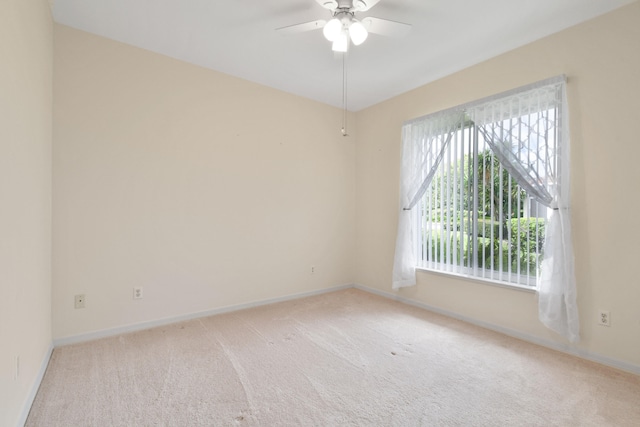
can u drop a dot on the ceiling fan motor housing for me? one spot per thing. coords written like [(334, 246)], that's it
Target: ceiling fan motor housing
[(345, 16), (348, 5)]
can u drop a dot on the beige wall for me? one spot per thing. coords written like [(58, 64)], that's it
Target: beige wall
[(210, 191), (25, 201), (602, 61), (205, 189)]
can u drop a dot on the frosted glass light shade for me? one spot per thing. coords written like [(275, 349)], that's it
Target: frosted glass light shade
[(332, 29), (358, 33), (341, 43)]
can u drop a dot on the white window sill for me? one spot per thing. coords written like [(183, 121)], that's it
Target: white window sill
[(530, 289)]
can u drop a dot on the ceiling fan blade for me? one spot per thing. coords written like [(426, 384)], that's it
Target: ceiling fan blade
[(363, 5), (301, 28), (384, 27)]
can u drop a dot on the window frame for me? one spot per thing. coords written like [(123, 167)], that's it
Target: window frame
[(508, 278)]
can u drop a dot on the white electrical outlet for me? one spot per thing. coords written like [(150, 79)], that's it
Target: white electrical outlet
[(604, 318), (79, 301), (313, 269), (137, 292)]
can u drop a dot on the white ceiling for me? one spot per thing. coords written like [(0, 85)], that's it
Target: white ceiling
[(237, 37)]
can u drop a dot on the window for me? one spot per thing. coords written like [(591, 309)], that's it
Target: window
[(474, 218), (484, 191)]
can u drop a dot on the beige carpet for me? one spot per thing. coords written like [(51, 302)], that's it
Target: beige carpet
[(346, 358)]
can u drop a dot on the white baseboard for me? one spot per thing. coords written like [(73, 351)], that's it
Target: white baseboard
[(104, 333), (35, 386), (584, 354)]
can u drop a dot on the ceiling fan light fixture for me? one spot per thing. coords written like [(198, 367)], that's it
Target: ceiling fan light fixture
[(341, 43), (358, 32), (332, 29)]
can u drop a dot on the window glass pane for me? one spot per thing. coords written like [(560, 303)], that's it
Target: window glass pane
[(475, 219)]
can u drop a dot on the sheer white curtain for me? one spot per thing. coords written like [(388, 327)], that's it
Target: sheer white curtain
[(527, 130), (557, 304), (424, 143)]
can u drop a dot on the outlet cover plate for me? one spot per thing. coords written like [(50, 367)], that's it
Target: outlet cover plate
[(79, 301), (604, 318)]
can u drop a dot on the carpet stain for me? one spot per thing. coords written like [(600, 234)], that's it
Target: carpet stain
[(242, 417)]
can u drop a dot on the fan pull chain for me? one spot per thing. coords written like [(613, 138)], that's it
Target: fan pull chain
[(344, 94)]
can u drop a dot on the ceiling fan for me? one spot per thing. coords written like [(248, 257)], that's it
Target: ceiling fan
[(343, 27)]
